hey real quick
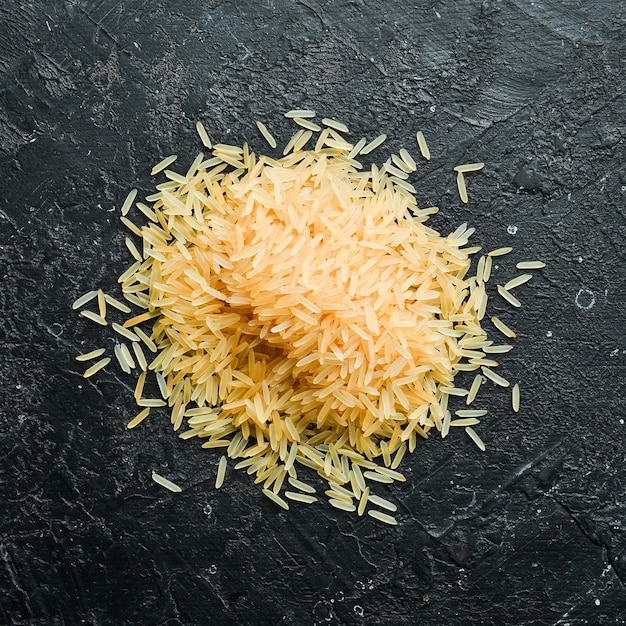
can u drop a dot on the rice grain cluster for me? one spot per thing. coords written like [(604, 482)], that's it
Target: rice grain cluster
[(301, 313)]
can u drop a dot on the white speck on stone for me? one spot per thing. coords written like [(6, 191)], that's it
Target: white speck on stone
[(585, 299), (433, 108), (621, 421), (614, 352), (597, 602), (511, 229), (549, 334), (358, 609)]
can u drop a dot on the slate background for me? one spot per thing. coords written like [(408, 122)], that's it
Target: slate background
[(531, 532)]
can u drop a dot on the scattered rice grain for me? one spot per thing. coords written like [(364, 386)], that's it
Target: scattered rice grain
[(382, 517), (96, 367), (88, 356), (475, 438), (164, 482), (515, 397)]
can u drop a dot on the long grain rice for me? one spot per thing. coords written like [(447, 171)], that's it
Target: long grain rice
[(300, 497), (515, 397), (423, 146), (94, 317), (376, 477), (151, 402), (129, 334), (276, 499), (117, 351), (363, 501), (500, 251), (473, 390), (300, 113), (517, 281), (342, 505), (460, 183), (471, 412), (342, 128), (308, 124), (164, 482), (269, 287), (469, 167), (161, 165), (128, 203), (266, 134), (127, 356), (382, 503), (530, 265), (445, 426), (221, 472), (298, 484), (140, 417), (508, 296), (408, 159), (141, 381), (383, 517), (496, 378), (102, 304), (84, 299), (88, 356), (140, 356), (467, 421), (475, 438), (96, 367), (502, 327), (500, 349), (372, 145), (204, 136)]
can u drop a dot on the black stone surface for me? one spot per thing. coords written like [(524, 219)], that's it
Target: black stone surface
[(93, 93)]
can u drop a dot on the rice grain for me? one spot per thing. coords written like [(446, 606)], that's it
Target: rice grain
[(423, 146), (383, 517), (515, 398), (96, 367), (164, 482)]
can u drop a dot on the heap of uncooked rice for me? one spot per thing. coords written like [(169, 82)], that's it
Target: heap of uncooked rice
[(302, 313)]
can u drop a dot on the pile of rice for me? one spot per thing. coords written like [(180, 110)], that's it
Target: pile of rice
[(301, 313)]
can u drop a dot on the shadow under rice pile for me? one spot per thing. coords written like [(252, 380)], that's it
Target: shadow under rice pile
[(299, 312)]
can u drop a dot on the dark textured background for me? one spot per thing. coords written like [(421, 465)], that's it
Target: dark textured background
[(92, 93)]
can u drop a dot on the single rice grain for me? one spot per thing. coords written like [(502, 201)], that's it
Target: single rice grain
[(88, 356), (423, 146), (140, 417), (161, 165), (84, 299), (475, 438), (128, 203), (221, 472), (164, 482), (530, 265), (515, 397), (383, 517), (96, 367)]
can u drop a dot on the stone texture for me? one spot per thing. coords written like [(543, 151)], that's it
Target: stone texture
[(531, 532)]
